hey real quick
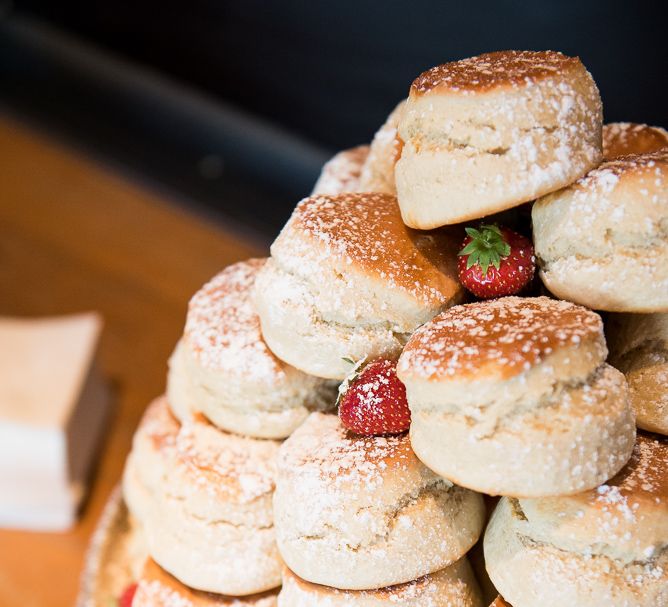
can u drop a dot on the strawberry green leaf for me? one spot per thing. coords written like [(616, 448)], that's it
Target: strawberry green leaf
[(471, 247), (487, 246)]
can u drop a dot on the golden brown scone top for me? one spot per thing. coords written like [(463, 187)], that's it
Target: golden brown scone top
[(492, 70), (624, 138), (625, 517), (499, 338), (157, 588), (499, 602), (642, 483), (653, 166), (366, 230)]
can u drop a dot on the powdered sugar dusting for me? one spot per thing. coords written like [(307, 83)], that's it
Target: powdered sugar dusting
[(342, 172), (378, 170), (235, 467), (624, 138), (490, 70), (593, 197), (620, 210), (325, 449), (159, 425), (367, 230), (607, 175), (451, 586), (369, 505), (644, 479), (510, 335), (223, 329)]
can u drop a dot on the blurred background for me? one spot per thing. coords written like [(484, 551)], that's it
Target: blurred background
[(233, 106), (145, 145)]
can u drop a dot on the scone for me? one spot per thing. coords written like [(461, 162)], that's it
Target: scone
[(342, 172), (491, 132), (499, 602), (347, 280), (602, 242), (639, 349), (223, 368), (156, 588), (205, 504), (378, 169), (607, 546), (147, 465), (513, 397), (360, 513), (454, 586), (624, 138)]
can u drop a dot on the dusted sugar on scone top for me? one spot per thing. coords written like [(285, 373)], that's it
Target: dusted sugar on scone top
[(602, 241), (624, 138), (223, 368), (348, 280), (606, 546), (494, 131), (204, 500), (513, 397), (361, 513), (454, 585), (342, 172)]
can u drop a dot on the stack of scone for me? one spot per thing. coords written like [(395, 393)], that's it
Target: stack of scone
[(243, 478), (201, 475)]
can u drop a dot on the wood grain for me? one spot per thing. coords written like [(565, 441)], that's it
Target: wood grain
[(74, 236)]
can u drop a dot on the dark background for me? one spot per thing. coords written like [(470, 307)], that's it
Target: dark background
[(235, 105)]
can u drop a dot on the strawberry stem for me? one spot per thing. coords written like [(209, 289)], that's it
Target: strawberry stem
[(486, 247)]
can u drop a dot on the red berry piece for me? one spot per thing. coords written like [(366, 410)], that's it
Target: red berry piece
[(373, 401), (125, 600), (495, 262)]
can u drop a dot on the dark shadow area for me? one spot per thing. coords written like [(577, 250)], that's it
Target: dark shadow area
[(236, 104)]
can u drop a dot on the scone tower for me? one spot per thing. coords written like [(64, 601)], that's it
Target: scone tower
[(340, 417)]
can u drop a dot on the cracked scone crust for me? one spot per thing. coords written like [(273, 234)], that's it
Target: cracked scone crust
[(454, 586), (348, 279), (513, 397), (491, 132), (157, 588), (639, 349), (362, 512), (223, 368), (608, 546), (602, 242), (206, 503)]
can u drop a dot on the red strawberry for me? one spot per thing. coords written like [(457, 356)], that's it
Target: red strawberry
[(128, 596), (495, 262), (373, 401)]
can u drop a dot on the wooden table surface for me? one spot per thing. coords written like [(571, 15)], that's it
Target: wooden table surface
[(74, 237)]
